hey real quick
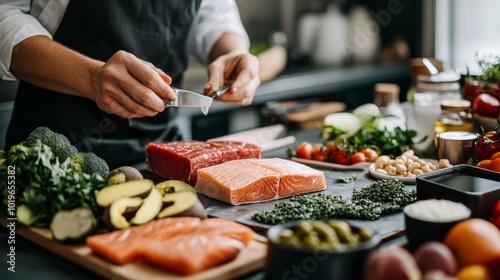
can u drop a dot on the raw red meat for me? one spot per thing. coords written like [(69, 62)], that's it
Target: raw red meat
[(181, 160)]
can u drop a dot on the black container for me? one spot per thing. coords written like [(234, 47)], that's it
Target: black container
[(476, 188), (420, 231), (286, 262)]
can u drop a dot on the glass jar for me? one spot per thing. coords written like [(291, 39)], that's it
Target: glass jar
[(455, 116), (387, 99), (430, 91)]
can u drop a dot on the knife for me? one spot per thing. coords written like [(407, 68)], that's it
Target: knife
[(187, 98)]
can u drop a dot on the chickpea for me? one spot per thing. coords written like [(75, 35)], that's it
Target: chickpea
[(382, 161), (418, 171), (381, 171), (443, 163)]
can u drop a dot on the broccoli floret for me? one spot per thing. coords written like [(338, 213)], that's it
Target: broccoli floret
[(90, 163), (59, 143)]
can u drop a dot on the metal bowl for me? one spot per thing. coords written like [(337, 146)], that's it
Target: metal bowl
[(287, 262)]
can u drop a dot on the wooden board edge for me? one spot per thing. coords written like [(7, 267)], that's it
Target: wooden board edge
[(106, 269)]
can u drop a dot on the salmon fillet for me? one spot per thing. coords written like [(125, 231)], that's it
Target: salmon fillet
[(256, 180), (215, 241), (238, 182), (122, 246), (295, 178), (184, 245)]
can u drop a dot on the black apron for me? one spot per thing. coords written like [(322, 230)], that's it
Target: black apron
[(153, 30)]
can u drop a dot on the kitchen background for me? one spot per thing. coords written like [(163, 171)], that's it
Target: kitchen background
[(333, 51)]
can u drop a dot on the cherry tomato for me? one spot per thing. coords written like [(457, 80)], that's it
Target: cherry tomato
[(487, 145), (371, 154), (495, 214), (304, 150), (340, 156), (319, 153), (486, 105), (358, 157), (471, 89), (494, 165), (495, 156), (484, 163)]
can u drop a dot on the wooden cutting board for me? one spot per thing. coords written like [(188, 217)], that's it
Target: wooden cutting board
[(252, 258)]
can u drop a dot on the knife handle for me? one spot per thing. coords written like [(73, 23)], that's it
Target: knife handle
[(220, 91)]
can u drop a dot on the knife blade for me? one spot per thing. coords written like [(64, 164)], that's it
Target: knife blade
[(187, 98)]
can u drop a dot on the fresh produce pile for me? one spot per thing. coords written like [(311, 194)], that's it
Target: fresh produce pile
[(484, 91), (50, 176), (360, 136), (470, 250), (487, 150), (380, 198)]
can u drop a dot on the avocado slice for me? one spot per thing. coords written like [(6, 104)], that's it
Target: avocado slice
[(179, 199), (150, 208), (140, 188), (114, 217)]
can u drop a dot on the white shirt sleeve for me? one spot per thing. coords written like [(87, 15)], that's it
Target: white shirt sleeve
[(16, 24), (214, 18)]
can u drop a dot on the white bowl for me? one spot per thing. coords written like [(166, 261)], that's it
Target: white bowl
[(486, 122)]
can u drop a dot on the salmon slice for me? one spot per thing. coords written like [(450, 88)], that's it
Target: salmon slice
[(256, 180), (215, 241), (227, 228), (295, 178), (192, 252), (122, 246), (238, 182)]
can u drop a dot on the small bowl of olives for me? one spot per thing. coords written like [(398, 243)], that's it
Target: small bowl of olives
[(312, 249)]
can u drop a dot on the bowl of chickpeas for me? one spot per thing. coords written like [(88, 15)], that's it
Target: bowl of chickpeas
[(312, 249), (405, 167)]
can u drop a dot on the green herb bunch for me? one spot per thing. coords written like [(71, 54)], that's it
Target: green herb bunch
[(44, 184), (371, 203)]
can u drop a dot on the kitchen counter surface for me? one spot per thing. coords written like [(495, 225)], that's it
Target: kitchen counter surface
[(34, 262)]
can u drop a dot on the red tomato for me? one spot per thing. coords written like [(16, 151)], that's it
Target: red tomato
[(494, 165), (340, 157), (319, 153), (495, 214), (358, 157), (486, 105), (484, 163), (371, 154), (495, 156), (487, 145), (470, 90), (304, 150)]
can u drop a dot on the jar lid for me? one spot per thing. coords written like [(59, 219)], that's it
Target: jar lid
[(443, 77), (455, 105), (387, 89), (458, 135)]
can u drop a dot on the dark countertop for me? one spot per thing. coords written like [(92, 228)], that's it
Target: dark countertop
[(34, 262)]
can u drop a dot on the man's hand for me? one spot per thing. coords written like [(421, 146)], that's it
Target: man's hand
[(242, 69), (130, 87)]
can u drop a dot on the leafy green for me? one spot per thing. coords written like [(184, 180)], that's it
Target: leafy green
[(346, 180), (385, 142), (490, 65), (46, 185)]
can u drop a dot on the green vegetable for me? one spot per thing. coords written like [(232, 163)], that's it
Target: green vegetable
[(90, 163), (59, 144), (382, 197), (73, 225), (46, 185), (346, 180)]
